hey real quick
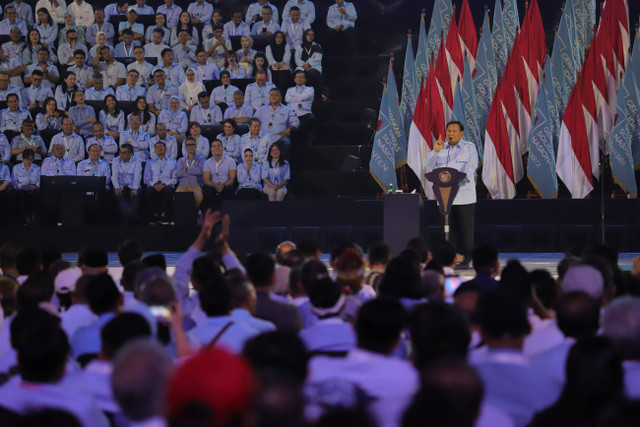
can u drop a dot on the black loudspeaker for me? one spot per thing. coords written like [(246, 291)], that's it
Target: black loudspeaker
[(71, 211), (184, 209)]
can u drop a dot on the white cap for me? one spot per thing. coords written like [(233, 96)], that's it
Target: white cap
[(583, 278), (66, 280)]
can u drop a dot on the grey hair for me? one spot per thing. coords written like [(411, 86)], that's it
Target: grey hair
[(621, 323)]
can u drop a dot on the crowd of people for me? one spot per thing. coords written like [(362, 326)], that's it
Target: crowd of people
[(285, 340), (124, 92)]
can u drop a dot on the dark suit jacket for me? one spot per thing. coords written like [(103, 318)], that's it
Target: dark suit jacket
[(284, 316)]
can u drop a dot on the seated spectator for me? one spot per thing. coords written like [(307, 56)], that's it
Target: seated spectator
[(78, 314), (369, 368), (300, 99), (217, 46), (25, 179), (113, 71), (45, 25), (160, 178), (219, 175), (174, 72), (257, 94), (131, 90), (275, 174), (246, 53), (159, 94), (189, 171), (68, 45), (230, 139), (94, 52), (165, 33), (171, 11), (204, 113), (238, 111), (280, 118), (112, 117), (147, 118), (202, 143), (100, 25), (57, 164), (49, 119), (257, 140), (268, 24), (115, 9), (98, 92), (124, 49), (249, 178), (486, 264), (82, 115), (94, 165), (12, 21), (341, 19), (27, 140), (14, 47), (294, 26), (33, 46), (72, 142), (260, 64), (189, 90), (254, 12), (141, 66), (82, 11), (136, 28), (236, 71), (216, 19), (107, 145), (236, 27), (49, 71), (350, 268), (170, 142), (138, 138), (154, 48), (12, 67), (200, 12), (175, 119), (5, 150), (11, 118), (308, 57), (84, 73), (184, 24), (125, 177), (204, 69)]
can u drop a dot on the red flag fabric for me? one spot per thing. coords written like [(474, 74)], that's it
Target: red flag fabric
[(468, 34), (444, 80), (454, 55)]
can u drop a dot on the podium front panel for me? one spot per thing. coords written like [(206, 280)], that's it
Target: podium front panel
[(401, 220)]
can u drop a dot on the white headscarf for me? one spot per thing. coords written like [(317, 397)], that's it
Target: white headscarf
[(192, 90)]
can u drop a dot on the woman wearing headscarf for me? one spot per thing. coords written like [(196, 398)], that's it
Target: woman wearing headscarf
[(278, 54), (175, 119), (189, 90), (70, 24), (309, 58)]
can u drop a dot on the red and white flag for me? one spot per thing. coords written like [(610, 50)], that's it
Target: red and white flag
[(454, 55), (468, 34), (592, 87), (419, 143), (444, 80)]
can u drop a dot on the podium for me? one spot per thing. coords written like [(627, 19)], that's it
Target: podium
[(401, 220), (446, 182)]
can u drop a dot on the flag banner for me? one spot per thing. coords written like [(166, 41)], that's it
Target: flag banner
[(620, 154), (558, 79), (472, 128), (446, 12), (485, 74), (382, 163), (631, 94), (580, 18), (635, 58), (409, 86), (552, 105), (468, 35), (443, 78), (497, 166), (576, 46), (436, 28), (563, 43), (511, 19), (453, 51), (498, 38), (419, 143), (396, 117), (422, 54), (541, 164)]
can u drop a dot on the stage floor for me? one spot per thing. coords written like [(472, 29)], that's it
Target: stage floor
[(531, 261)]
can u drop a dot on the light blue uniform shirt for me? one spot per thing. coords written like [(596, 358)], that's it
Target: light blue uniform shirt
[(48, 34), (256, 96), (79, 115), (256, 9), (149, 126), (108, 146), (126, 174), (231, 145), (230, 29), (94, 95), (300, 99), (175, 120), (160, 171), (232, 339), (140, 142), (332, 334), (192, 176), (6, 26), (463, 157), (31, 94), (5, 148), (219, 171), (175, 73), (259, 145), (126, 93), (95, 380), (136, 27), (243, 316), (201, 11), (5, 175), (93, 29), (51, 123), (337, 19), (14, 50), (21, 140), (100, 168), (144, 10), (260, 27), (73, 145), (65, 52), (160, 97), (169, 141), (148, 35), (20, 176), (206, 116), (276, 174), (552, 362), (144, 71), (111, 123), (172, 14), (52, 166), (224, 94), (51, 69), (185, 58), (208, 71), (83, 75), (12, 120), (203, 147), (275, 121), (250, 179), (294, 31), (87, 340), (307, 9), (122, 51), (234, 112), (30, 55)]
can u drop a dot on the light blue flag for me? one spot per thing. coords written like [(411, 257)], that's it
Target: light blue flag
[(422, 54), (472, 128), (486, 77), (635, 58), (498, 39), (590, 7), (574, 26), (446, 10), (541, 166), (382, 164), (620, 152), (433, 36), (409, 87), (511, 20), (396, 117), (554, 115), (632, 103), (564, 42)]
